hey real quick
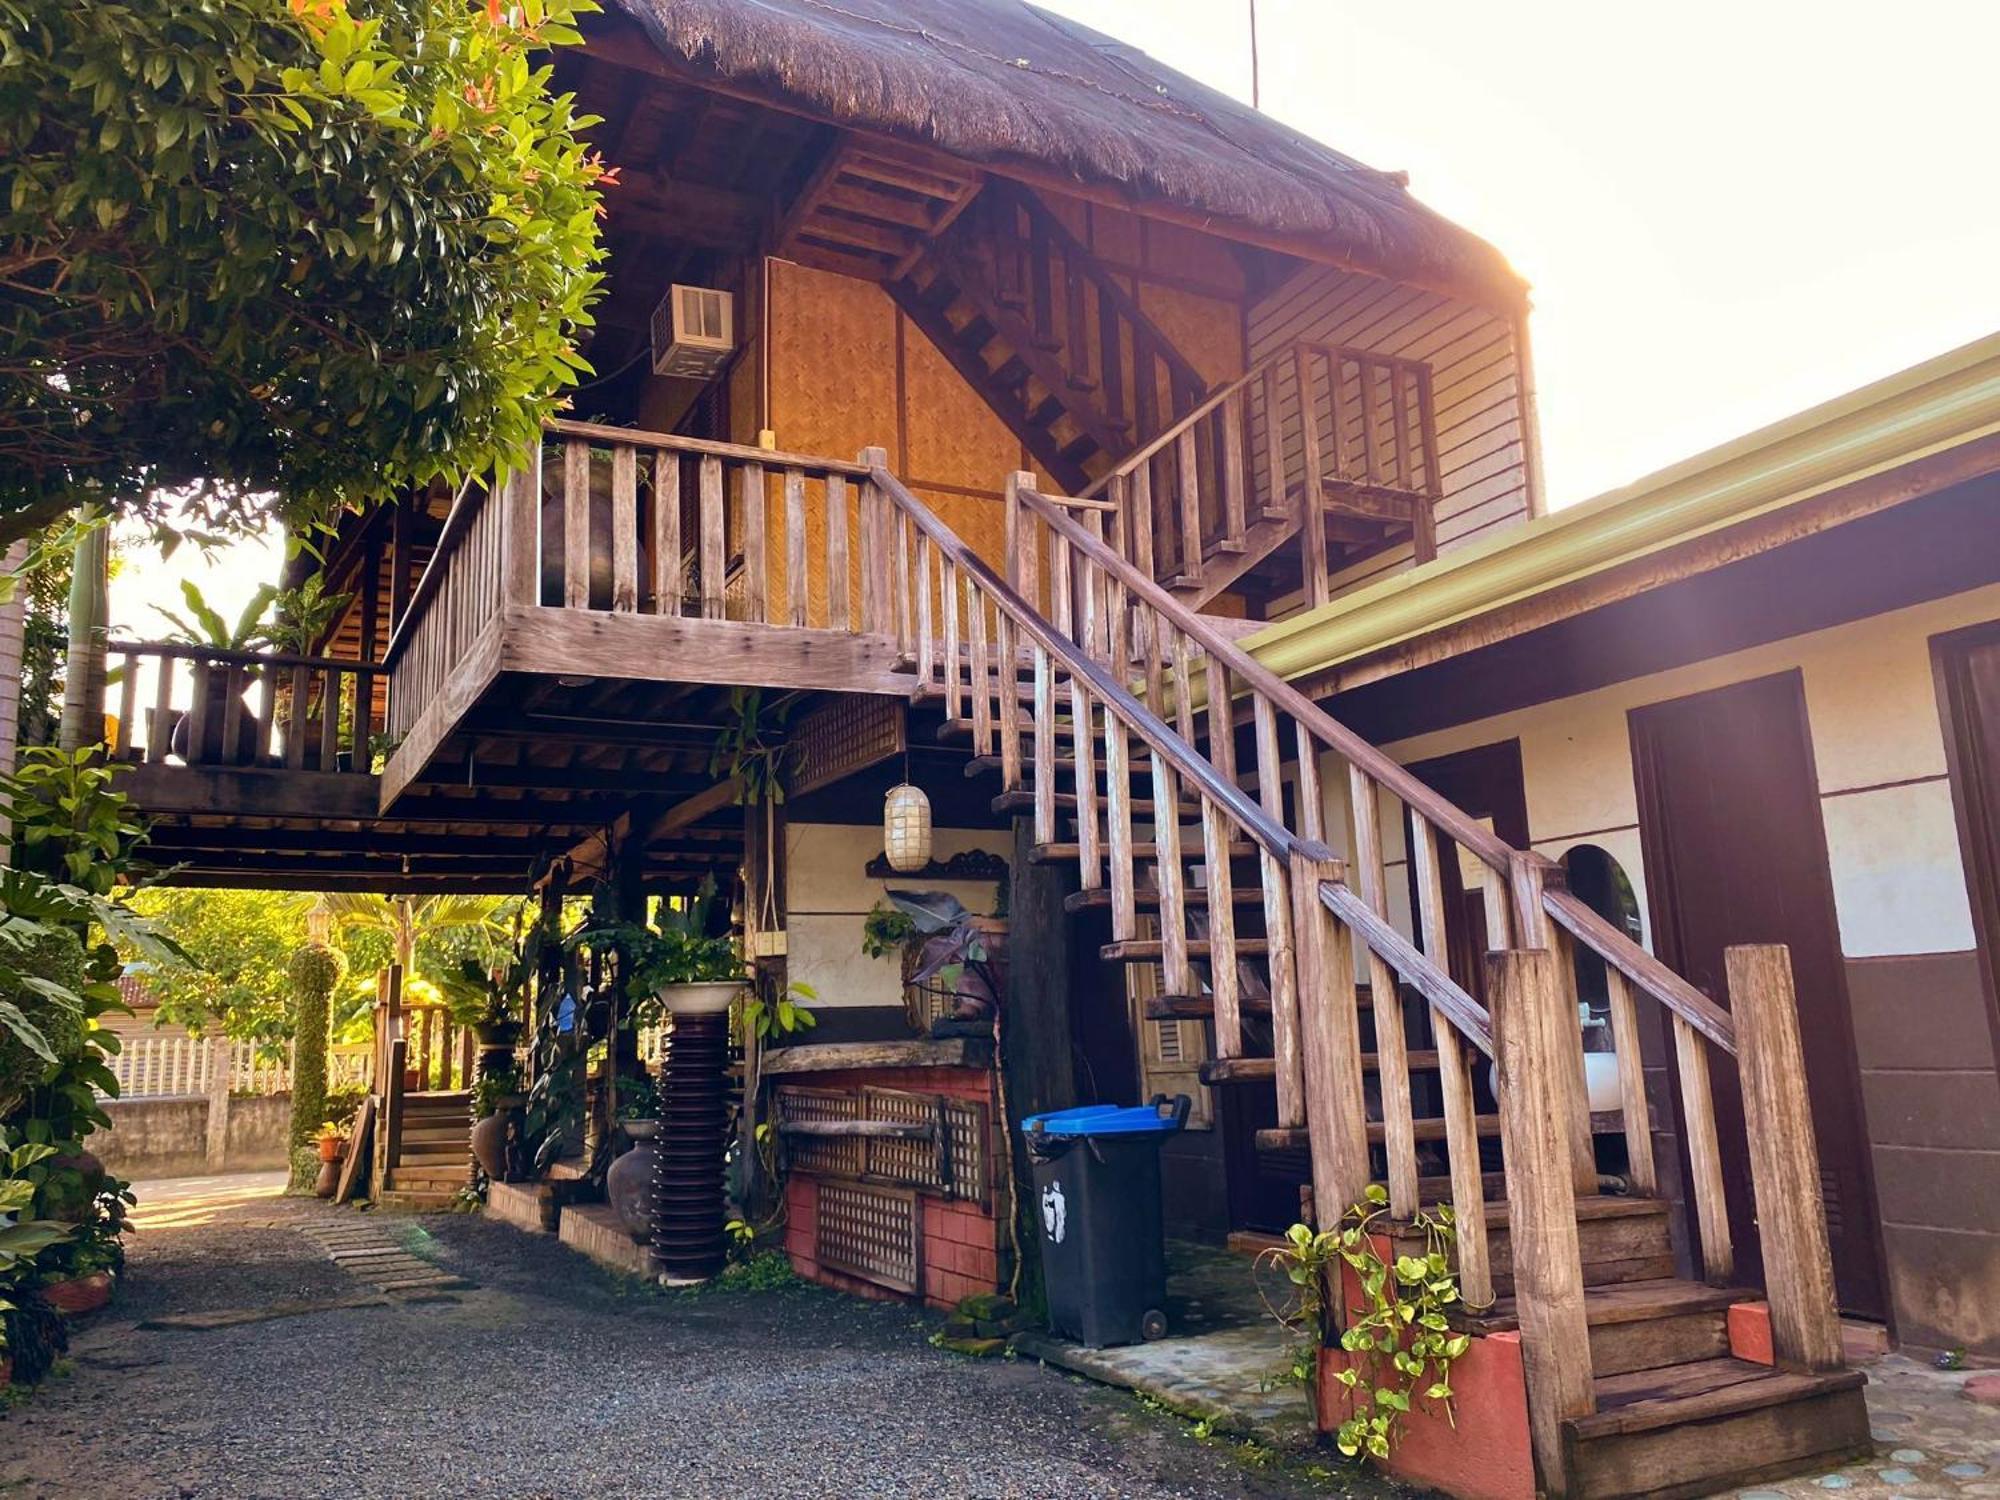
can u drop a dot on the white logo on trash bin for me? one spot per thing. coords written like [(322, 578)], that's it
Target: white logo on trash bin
[(1055, 1216)]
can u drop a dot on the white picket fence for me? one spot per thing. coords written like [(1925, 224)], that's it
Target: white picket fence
[(149, 1067)]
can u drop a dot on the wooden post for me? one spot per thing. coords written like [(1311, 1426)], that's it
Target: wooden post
[(218, 1103), (1784, 1160), (520, 530), (1330, 1042), (1533, 1034), (877, 596)]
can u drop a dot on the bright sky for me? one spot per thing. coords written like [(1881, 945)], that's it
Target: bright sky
[(1728, 209)]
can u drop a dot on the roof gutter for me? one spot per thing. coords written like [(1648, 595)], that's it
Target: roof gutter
[(1940, 404)]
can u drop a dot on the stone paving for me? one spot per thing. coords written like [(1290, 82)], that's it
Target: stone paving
[(1932, 1442), (1221, 1359)]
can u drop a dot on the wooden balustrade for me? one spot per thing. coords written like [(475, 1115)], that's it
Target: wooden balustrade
[(1218, 697), (202, 706), (1361, 445)]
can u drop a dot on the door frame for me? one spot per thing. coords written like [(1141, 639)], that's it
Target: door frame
[(1663, 925), (1975, 804)]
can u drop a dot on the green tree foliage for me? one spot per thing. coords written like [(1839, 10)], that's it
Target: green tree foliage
[(324, 249), (239, 944), (313, 974)]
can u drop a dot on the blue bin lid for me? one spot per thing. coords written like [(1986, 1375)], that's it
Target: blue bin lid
[(1105, 1119)]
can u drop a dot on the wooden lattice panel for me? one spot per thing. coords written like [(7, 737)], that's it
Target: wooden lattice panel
[(958, 1170), (828, 1156), (871, 1232), (845, 736)]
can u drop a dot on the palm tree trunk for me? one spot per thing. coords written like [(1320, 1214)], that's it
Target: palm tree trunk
[(83, 677)]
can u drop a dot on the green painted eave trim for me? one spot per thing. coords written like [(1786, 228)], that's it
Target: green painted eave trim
[(1940, 404)]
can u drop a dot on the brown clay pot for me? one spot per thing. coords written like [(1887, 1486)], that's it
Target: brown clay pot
[(80, 1294), (328, 1179), (330, 1150)]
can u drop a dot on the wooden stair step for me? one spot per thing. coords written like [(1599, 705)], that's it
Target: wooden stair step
[(1219, 1071), (1152, 950), (1147, 897), (1191, 851), (1022, 799), (1201, 1007), (1295, 1138), (1642, 1400)]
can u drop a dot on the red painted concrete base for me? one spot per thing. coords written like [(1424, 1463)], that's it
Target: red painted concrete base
[(1484, 1454), (962, 1240), (84, 1294), (1750, 1332)]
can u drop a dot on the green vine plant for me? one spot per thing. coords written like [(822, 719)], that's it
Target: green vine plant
[(1400, 1335)]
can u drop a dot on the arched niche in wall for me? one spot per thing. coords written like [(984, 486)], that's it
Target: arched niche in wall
[(1600, 882)]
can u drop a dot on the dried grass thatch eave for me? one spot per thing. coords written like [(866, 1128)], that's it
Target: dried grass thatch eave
[(1000, 83)]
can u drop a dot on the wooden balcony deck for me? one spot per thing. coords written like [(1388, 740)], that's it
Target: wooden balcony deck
[(617, 574)]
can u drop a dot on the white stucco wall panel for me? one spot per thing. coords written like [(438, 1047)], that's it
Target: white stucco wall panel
[(1872, 710), (827, 895)]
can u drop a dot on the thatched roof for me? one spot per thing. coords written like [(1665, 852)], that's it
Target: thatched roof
[(1000, 82)]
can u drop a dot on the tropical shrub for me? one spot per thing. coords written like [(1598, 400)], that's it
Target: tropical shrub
[(320, 250)]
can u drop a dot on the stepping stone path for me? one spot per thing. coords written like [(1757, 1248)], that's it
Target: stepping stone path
[(376, 1253)]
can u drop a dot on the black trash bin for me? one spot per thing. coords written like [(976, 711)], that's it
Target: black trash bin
[(1097, 1194)]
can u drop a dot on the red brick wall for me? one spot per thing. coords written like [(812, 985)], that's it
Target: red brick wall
[(962, 1240)]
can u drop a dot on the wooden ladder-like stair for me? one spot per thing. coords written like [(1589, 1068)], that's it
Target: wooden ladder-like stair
[(432, 1161), (1676, 1412)]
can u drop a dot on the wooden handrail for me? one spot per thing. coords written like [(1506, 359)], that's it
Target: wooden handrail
[(1268, 832), (1158, 445), (464, 506), (181, 651), (1641, 967), (1415, 970), (636, 437), (1491, 850)]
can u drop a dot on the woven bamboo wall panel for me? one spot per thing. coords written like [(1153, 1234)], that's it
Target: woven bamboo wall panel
[(871, 1232)]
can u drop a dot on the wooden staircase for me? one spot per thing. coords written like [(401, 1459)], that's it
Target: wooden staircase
[(1044, 331), (1202, 835), (430, 1155)]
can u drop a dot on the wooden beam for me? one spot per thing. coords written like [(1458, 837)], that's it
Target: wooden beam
[(654, 648)]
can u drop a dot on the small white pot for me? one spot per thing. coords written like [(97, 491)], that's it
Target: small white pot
[(700, 999)]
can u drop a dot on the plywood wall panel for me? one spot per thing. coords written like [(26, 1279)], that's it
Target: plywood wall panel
[(1208, 330)]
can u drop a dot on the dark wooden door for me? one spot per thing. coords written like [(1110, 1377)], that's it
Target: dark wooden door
[(1736, 853), (1483, 782), (1968, 675)]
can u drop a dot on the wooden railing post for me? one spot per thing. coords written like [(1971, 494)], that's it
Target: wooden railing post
[(520, 530), (875, 557), (1532, 1035), (1330, 1042), (1784, 1159)]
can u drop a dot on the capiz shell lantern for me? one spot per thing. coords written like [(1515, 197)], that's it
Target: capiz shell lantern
[(906, 828)]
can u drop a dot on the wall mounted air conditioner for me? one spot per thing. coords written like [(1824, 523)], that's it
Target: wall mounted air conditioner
[(694, 332)]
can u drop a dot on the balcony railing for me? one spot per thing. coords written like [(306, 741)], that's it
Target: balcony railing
[(205, 706), (620, 521)]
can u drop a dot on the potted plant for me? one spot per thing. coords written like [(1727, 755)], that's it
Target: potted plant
[(331, 1140), (964, 954), (679, 963), (208, 629), (629, 1182), (496, 1101)]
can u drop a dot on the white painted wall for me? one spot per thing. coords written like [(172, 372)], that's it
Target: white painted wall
[(828, 895), (1878, 746)]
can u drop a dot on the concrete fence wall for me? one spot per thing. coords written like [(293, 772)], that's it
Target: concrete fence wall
[(168, 1136)]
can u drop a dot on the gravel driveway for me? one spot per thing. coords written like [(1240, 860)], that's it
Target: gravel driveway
[(554, 1379)]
